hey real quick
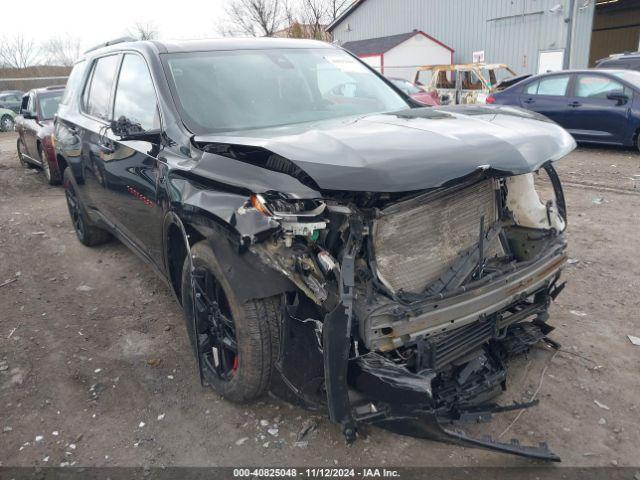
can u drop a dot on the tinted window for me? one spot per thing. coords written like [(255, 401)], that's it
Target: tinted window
[(99, 93), (49, 105), (554, 86), (595, 86), (135, 95), (73, 82), (246, 89)]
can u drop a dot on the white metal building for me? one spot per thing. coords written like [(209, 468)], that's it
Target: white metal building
[(529, 35), (399, 55)]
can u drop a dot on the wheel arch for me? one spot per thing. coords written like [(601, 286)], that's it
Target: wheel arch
[(248, 276)]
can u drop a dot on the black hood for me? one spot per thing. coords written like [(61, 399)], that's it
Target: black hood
[(403, 151)]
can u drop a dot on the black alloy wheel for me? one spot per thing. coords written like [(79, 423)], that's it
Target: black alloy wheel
[(236, 340), (216, 329), (74, 212)]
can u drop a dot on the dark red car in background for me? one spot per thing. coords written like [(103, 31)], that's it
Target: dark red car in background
[(418, 94), (35, 130)]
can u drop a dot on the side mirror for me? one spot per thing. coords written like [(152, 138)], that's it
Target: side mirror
[(619, 96), (128, 130)]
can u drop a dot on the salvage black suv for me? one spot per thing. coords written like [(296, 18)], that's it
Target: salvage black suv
[(328, 238)]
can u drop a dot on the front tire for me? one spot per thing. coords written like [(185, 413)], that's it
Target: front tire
[(87, 232), (238, 341)]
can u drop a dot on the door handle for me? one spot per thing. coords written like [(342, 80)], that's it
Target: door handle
[(574, 104), (529, 101)]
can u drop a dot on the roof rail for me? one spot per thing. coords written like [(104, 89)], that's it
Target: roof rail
[(111, 42)]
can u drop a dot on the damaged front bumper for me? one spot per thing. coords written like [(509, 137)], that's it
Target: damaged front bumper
[(424, 360)]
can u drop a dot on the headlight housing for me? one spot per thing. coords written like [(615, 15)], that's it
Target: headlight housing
[(284, 208)]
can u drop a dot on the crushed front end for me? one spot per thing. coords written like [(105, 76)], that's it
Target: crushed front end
[(409, 306)]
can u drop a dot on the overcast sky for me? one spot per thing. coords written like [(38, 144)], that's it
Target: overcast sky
[(98, 21)]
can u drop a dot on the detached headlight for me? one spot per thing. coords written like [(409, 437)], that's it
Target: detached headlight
[(281, 208)]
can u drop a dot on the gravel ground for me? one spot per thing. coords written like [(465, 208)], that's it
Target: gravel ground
[(95, 368)]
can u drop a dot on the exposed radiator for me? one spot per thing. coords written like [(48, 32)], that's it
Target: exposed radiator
[(415, 242)]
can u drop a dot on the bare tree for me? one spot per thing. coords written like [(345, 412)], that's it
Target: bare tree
[(255, 18), (17, 52), (313, 16), (61, 50), (144, 31), (336, 7)]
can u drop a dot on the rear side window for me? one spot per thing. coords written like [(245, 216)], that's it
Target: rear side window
[(595, 86), (553, 86), (73, 81), (98, 92), (135, 95)]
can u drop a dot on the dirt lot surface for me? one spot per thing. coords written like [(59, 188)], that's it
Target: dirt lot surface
[(95, 368)]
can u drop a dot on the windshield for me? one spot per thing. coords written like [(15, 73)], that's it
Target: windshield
[(630, 76), (49, 105), (407, 87), (248, 89)]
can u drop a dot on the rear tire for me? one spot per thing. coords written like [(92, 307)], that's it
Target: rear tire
[(53, 178), (256, 329), (87, 232), (23, 161)]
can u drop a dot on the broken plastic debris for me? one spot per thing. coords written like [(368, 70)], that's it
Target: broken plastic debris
[(72, 446), (598, 200), (264, 423), (273, 432), (634, 340), (577, 313), (240, 441), (39, 438), (154, 362), (601, 405), (84, 288), (97, 370), (141, 424), (161, 416), (54, 433)]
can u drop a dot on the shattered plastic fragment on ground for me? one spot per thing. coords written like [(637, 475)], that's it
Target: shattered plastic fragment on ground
[(634, 340)]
